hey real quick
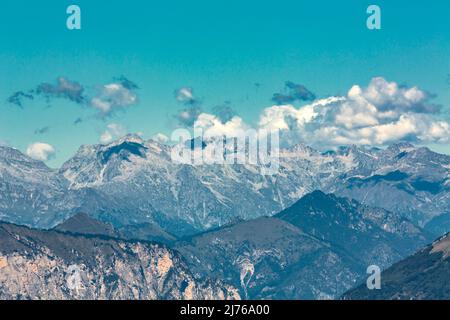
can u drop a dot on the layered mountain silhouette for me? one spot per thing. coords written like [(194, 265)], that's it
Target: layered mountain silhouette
[(376, 236), (82, 223), (226, 222), (316, 249)]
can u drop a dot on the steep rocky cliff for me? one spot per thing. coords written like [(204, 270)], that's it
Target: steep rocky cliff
[(36, 264)]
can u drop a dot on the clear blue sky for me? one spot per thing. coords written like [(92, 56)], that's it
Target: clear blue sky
[(220, 48)]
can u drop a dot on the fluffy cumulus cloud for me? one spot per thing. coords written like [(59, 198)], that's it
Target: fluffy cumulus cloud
[(213, 126), (113, 131), (382, 113), (161, 138), (112, 97), (41, 151), (379, 114), (107, 99)]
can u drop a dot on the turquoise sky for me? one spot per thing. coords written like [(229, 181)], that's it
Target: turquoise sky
[(219, 48)]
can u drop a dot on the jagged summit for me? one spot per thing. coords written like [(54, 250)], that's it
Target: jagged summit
[(401, 146), (128, 138)]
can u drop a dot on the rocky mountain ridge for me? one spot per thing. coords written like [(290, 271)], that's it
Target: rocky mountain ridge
[(39, 264), (133, 182)]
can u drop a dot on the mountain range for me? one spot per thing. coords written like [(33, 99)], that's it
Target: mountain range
[(133, 182), (287, 256), (227, 231), (316, 249)]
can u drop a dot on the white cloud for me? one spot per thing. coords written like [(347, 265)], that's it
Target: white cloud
[(185, 95), (113, 131), (41, 151), (390, 96), (112, 97), (380, 114), (212, 126), (161, 138)]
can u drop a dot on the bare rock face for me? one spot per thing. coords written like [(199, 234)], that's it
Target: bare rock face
[(37, 264), (268, 258)]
